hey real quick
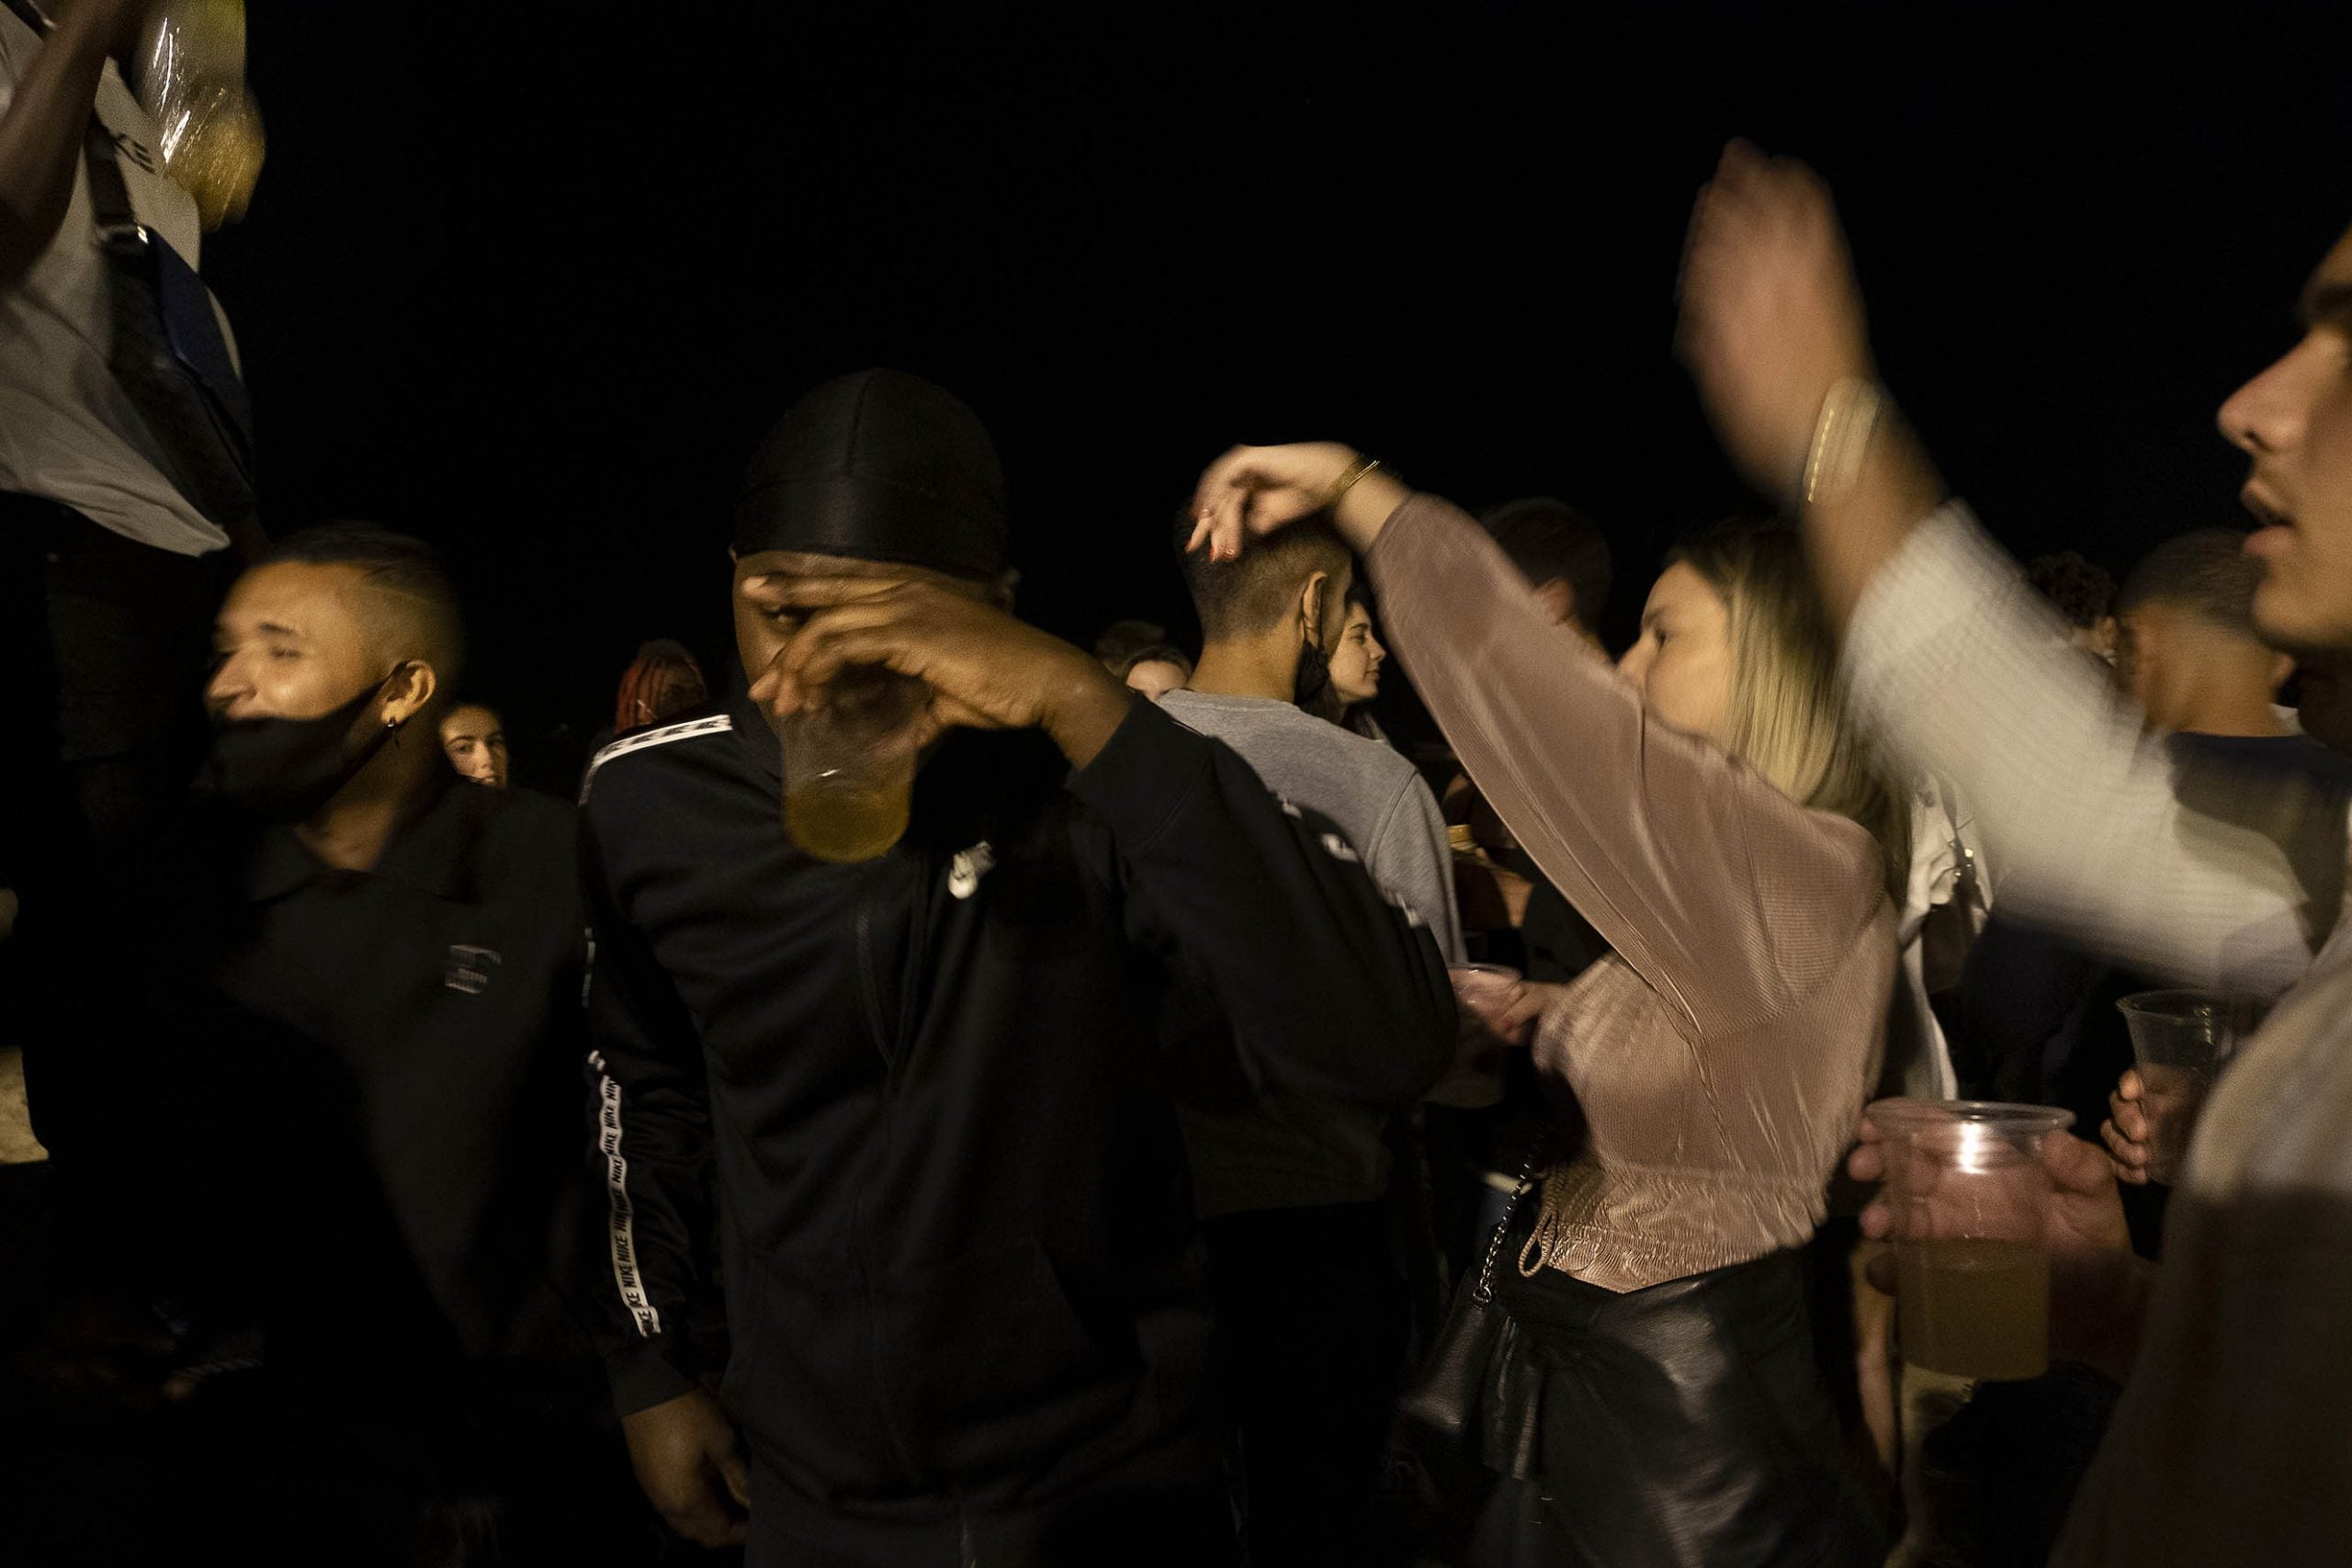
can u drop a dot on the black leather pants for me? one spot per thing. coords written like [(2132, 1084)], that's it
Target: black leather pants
[(1684, 1425)]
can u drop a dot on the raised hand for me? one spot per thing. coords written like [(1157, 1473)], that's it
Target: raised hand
[(1253, 490), (984, 670), (1772, 316)]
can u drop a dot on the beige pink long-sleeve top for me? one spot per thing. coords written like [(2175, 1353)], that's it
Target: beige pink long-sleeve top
[(1720, 1057)]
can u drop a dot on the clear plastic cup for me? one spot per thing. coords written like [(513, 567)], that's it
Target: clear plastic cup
[(849, 765), (2181, 1040), (1970, 1197), (1482, 985), (191, 76)]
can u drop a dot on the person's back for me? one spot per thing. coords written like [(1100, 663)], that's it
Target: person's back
[(1276, 1152), (1313, 1310)]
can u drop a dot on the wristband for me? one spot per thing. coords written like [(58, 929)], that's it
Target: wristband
[(1347, 482), (1841, 439)]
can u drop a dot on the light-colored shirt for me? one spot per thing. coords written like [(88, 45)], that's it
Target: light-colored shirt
[(1721, 1055), (67, 430), (1918, 1058), (1287, 1150), (1951, 664), (2233, 1440), (1369, 790)]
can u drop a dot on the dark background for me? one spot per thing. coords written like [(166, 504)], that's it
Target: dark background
[(531, 279)]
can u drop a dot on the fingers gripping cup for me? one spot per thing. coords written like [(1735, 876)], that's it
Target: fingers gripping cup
[(849, 764), (1483, 988), (1968, 1195), (2181, 1040)]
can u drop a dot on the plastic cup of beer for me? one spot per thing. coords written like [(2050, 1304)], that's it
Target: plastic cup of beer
[(1969, 1195), (2181, 1040), (849, 764)]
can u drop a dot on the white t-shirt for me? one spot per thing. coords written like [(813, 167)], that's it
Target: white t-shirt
[(67, 431)]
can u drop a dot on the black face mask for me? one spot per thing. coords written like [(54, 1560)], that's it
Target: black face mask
[(283, 770), (1311, 683)]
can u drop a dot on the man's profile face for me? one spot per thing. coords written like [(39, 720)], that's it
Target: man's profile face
[(289, 643), (764, 624), (2294, 420), (475, 739)]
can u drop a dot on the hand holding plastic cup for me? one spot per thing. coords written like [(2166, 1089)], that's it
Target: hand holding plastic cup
[(1969, 1196), (849, 764), (1486, 992), (2181, 1040)]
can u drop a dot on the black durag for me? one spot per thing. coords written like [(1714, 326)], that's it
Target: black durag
[(879, 466)]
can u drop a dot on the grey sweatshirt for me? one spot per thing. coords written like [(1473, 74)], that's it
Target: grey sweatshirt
[(1289, 1150)]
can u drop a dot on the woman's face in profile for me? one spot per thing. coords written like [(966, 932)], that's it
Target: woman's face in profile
[(1155, 678), (1355, 663), (1682, 662)]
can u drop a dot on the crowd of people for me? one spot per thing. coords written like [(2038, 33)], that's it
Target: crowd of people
[(1205, 1134)]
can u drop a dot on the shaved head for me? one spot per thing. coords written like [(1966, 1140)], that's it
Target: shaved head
[(1257, 591), (394, 587)]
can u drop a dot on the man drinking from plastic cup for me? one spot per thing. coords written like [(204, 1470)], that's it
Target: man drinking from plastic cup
[(931, 1081)]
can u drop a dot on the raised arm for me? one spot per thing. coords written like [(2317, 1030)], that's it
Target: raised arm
[(1667, 845), (46, 119), (1950, 665), (1329, 985)]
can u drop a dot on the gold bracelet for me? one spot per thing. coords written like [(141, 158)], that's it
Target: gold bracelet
[(1347, 482), (1841, 439)]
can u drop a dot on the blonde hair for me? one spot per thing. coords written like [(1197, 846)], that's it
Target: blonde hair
[(1786, 715)]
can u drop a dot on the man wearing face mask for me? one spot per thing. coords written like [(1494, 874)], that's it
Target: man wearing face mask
[(1312, 1309), (933, 1090), (328, 1148)]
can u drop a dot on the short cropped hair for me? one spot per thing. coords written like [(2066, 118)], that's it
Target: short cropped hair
[(1252, 592), (2081, 594), (412, 611), (2206, 571), (1550, 541)]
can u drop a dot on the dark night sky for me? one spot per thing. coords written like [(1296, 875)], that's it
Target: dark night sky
[(532, 282)]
